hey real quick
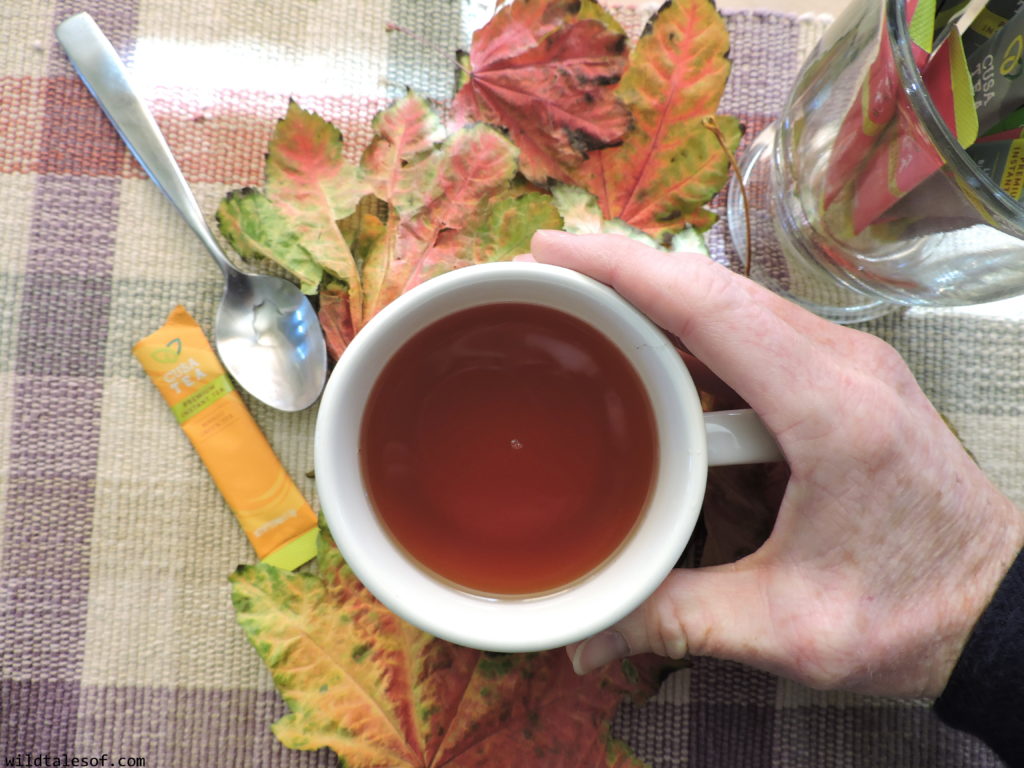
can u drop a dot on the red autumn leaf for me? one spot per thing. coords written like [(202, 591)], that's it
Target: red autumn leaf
[(545, 71), (670, 165), (445, 206), (406, 129), (380, 692), (309, 185)]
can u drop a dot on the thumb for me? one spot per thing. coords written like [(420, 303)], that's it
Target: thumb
[(718, 611)]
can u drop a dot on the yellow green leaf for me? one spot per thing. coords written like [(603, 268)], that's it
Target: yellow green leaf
[(379, 692), (257, 229)]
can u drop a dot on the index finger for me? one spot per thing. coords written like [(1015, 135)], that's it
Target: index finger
[(758, 343)]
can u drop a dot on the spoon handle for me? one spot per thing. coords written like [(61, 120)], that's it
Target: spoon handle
[(104, 74)]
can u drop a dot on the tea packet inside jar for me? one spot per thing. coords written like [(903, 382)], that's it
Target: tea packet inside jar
[(1003, 162), (875, 105), (988, 22), (1014, 120), (1004, 134), (996, 67), (278, 521), (947, 12), (904, 159)]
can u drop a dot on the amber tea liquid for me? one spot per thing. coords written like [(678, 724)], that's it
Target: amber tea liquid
[(510, 448)]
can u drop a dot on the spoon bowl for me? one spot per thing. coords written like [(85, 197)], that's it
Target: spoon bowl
[(267, 333)]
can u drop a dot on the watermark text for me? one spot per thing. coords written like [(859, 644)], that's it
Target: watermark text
[(66, 760)]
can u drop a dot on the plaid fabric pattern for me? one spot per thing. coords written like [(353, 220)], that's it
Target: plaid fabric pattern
[(117, 635)]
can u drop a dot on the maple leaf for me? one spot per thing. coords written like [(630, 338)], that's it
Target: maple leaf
[(545, 70), (309, 185), (378, 691), (407, 129), (258, 230), (660, 177)]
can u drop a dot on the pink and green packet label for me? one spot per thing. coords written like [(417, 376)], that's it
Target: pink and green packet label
[(875, 106), (905, 156), (1007, 135)]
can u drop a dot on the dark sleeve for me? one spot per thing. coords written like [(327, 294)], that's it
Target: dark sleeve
[(985, 693)]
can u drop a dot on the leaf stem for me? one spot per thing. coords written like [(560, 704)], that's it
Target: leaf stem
[(711, 124)]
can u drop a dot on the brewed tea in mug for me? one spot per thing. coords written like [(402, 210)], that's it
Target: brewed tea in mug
[(509, 448)]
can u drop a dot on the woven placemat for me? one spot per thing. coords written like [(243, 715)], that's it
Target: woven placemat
[(117, 635)]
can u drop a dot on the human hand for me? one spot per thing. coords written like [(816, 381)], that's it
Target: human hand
[(889, 540)]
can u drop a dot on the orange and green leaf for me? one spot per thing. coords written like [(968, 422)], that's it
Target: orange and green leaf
[(257, 229), (402, 132), (377, 691), (669, 166), (309, 185)]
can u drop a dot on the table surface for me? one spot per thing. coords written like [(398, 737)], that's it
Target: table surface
[(117, 634)]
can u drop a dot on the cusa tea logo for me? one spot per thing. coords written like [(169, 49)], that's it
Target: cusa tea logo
[(168, 353)]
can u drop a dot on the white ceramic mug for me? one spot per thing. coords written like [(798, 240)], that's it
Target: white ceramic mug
[(688, 441)]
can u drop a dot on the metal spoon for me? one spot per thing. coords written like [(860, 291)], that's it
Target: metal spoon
[(267, 333)]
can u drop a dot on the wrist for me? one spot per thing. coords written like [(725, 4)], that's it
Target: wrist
[(984, 695), (986, 560)]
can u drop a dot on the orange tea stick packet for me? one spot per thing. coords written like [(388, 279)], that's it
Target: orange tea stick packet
[(279, 522)]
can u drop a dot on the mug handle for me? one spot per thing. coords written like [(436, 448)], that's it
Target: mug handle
[(739, 437)]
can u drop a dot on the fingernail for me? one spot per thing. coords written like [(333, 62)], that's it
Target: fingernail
[(598, 651), (676, 648)]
